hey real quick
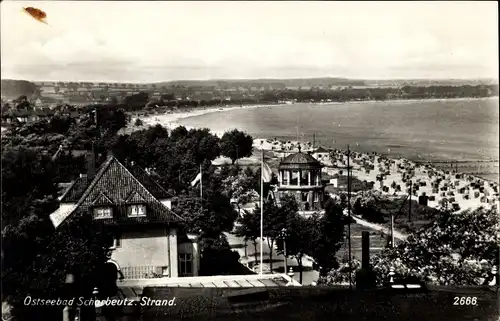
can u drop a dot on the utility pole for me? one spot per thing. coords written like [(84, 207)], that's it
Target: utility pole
[(349, 213), (409, 200), (392, 229), (284, 249)]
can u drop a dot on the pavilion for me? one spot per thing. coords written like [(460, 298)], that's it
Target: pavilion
[(299, 175)]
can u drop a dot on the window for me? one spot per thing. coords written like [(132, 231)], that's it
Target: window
[(294, 178), (185, 264), (117, 242), (165, 271), (316, 197), (137, 211), (103, 213), (284, 177), (304, 177)]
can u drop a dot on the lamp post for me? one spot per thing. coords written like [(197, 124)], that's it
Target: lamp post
[(283, 235)]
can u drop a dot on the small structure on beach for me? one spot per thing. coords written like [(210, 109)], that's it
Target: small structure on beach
[(299, 175)]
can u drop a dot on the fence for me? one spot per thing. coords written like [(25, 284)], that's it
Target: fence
[(142, 272)]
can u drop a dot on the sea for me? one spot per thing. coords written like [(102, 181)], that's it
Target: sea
[(465, 131)]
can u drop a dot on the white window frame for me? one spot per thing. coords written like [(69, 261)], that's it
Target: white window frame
[(137, 210), (101, 213), (184, 260)]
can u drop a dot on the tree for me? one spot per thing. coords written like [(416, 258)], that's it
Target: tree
[(276, 219), (218, 258), (35, 258), (248, 227), (236, 144), (298, 235), (137, 100), (239, 188), (178, 159), (28, 174), (328, 236), (457, 248), (22, 103)]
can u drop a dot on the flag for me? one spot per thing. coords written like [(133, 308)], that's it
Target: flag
[(196, 180), (267, 173)]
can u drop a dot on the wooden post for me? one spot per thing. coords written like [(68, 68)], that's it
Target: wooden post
[(365, 249), (97, 305), (69, 284)]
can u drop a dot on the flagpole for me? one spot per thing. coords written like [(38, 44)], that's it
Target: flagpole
[(349, 212), (201, 186), (262, 211)]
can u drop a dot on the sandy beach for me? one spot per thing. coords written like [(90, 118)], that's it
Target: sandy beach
[(171, 119), (390, 176)]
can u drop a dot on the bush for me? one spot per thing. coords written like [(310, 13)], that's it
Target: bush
[(138, 122), (341, 275), (456, 249)]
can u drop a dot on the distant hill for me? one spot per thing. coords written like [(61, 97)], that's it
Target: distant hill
[(292, 82), (325, 82), (430, 82), (12, 89)]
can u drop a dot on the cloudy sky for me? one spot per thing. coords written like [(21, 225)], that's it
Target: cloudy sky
[(155, 41)]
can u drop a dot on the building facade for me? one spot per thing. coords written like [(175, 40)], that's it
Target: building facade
[(147, 241), (299, 175)]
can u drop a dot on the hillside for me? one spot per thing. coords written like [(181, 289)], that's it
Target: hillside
[(12, 89), (295, 82)]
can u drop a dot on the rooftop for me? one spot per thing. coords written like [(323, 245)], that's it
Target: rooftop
[(216, 281), (116, 186), (300, 160)]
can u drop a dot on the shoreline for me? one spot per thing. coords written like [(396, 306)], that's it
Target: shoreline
[(171, 120)]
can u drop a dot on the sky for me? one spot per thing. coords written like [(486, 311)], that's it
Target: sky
[(152, 41)]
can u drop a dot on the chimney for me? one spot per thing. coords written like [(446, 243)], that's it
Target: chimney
[(91, 164)]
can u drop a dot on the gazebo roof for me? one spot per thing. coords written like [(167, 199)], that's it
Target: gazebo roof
[(300, 161)]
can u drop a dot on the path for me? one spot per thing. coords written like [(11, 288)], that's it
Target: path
[(397, 235), (248, 257)]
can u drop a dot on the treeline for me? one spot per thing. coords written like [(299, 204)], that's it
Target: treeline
[(406, 92), (135, 102)]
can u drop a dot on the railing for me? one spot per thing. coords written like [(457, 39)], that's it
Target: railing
[(142, 272)]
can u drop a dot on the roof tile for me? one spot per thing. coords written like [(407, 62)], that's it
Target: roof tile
[(117, 183)]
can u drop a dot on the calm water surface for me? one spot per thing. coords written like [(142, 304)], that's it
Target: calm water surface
[(446, 130)]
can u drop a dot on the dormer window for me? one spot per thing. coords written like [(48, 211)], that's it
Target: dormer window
[(137, 211), (103, 213)]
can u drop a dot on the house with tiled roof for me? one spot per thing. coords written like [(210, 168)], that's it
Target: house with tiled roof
[(137, 211), (321, 154)]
